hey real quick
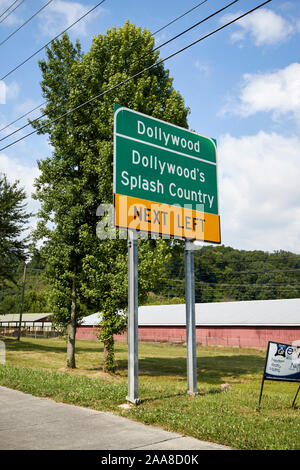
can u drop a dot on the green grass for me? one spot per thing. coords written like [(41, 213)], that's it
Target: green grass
[(226, 417)]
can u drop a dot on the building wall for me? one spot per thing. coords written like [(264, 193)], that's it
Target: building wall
[(255, 337), (86, 332), (90, 333), (250, 336)]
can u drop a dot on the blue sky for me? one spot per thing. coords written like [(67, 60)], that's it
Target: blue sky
[(242, 86)]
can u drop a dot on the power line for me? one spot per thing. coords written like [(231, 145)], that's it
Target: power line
[(178, 18), (26, 22), (258, 286), (18, 119), (123, 82), (203, 284), (29, 112), (22, 1), (137, 60), (263, 272), (8, 8), (262, 260), (271, 286), (39, 50), (182, 281), (278, 271), (191, 27)]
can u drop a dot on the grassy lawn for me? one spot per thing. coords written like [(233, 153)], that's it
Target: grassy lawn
[(37, 366)]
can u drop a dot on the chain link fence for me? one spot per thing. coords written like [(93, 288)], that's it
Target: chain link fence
[(38, 330)]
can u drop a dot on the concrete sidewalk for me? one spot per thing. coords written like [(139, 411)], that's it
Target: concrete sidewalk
[(31, 423)]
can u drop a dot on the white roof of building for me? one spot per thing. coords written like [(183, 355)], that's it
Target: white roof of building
[(256, 312), (26, 317), (247, 313), (91, 320)]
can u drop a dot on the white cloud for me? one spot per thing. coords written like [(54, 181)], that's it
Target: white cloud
[(203, 68), (15, 170), (264, 26), (2, 92), (60, 14), (8, 92), (23, 107), (12, 90), (160, 39), (260, 192), (277, 92)]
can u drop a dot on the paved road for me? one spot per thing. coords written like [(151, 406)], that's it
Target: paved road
[(31, 423)]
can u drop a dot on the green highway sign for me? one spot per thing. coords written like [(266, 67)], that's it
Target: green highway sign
[(156, 162)]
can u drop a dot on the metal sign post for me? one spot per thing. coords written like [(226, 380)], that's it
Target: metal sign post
[(190, 318), (294, 401), (133, 395)]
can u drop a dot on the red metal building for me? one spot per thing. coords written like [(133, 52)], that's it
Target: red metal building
[(238, 324)]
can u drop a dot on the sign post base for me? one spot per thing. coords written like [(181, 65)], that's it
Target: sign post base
[(134, 401)]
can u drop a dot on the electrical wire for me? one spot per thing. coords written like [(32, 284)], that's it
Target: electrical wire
[(8, 8), (18, 119), (270, 286), (259, 272), (180, 281), (26, 22), (262, 272), (178, 18), (137, 60), (190, 28), (130, 48), (64, 31), (202, 284), (22, 1), (263, 260), (123, 82)]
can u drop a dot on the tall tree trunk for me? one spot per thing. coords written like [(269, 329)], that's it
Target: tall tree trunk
[(71, 330), (109, 355)]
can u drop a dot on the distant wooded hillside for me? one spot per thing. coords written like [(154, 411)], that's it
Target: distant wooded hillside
[(221, 274)]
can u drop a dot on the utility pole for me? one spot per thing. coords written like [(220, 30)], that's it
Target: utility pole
[(22, 302)]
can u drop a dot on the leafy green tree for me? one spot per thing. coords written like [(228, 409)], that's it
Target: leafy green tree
[(13, 222), (106, 282), (227, 274), (59, 188), (87, 274)]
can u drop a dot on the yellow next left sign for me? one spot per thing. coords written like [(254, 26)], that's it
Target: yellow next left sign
[(166, 220)]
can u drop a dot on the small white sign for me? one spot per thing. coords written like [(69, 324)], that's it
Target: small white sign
[(283, 362), (2, 352)]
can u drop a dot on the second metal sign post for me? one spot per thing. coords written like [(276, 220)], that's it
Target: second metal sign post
[(133, 375)]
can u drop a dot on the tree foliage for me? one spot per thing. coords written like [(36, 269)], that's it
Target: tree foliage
[(36, 289), (13, 222), (85, 273), (232, 275), (226, 274)]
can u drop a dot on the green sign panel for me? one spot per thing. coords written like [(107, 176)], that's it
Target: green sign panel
[(163, 163)]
